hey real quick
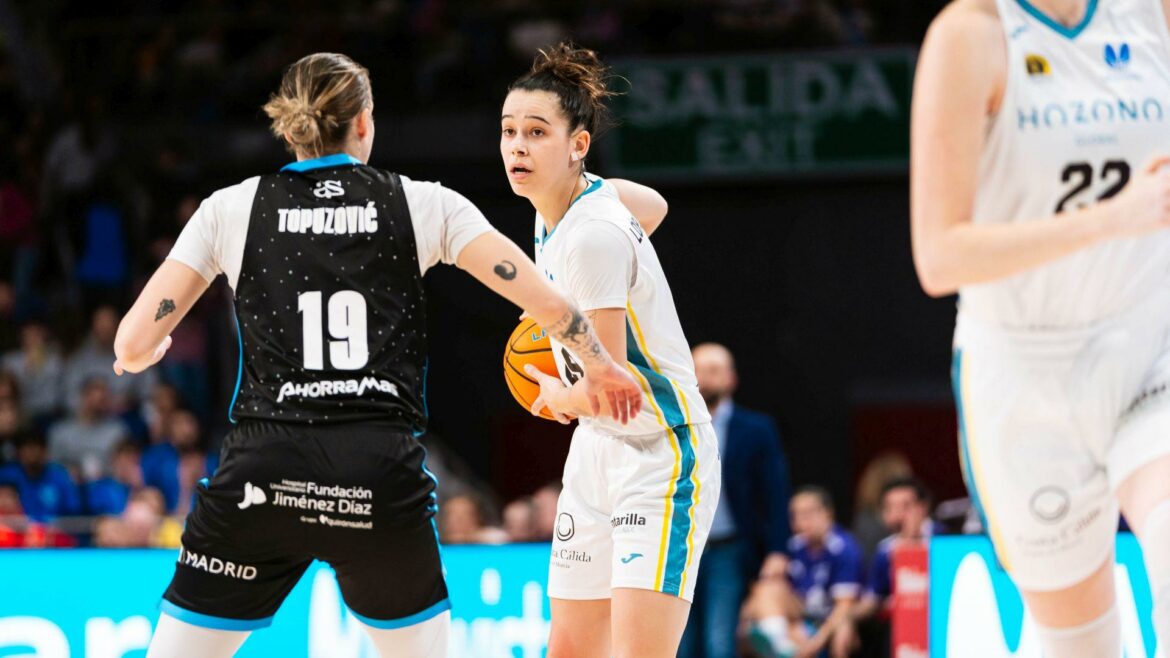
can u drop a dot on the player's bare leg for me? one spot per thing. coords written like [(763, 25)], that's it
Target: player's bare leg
[(178, 639), (580, 629), (1145, 500), (647, 624)]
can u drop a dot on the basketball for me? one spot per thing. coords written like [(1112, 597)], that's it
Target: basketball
[(528, 344)]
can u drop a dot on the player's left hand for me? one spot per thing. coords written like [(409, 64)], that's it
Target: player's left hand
[(553, 395), (618, 387)]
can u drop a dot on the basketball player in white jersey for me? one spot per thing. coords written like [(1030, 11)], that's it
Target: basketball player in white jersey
[(1041, 193), (326, 259), (638, 499)]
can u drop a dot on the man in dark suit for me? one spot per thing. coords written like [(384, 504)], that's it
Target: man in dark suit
[(750, 529)]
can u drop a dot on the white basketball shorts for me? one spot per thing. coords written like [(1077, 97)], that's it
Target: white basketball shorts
[(634, 512), (1050, 424)]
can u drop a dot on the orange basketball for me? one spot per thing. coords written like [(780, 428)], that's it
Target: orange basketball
[(528, 344)]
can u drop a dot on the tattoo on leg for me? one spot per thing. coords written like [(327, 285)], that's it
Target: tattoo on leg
[(165, 308), (506, 270)]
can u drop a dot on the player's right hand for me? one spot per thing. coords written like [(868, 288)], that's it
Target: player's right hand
[(1144, 205), (620, 389)]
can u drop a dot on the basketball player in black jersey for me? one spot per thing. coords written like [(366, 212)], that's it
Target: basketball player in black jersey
[(326, 259)]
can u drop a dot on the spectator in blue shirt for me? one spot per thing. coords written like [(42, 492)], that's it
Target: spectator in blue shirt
[(750, 528), (46, 490), (110, 494), (809, 610), (175, 466), (905, 508)]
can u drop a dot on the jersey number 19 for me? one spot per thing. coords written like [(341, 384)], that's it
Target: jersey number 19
[(347, 325)]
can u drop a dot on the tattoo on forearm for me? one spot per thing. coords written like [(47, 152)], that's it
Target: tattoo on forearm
[(506, 270), (575, 331), (165, 308)]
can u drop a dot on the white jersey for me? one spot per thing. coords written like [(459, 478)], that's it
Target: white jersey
[(601, 258), (1083, 109)]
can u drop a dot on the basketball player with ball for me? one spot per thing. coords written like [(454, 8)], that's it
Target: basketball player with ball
[(638, 498)]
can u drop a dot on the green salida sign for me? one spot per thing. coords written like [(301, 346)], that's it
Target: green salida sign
[(763, 115)]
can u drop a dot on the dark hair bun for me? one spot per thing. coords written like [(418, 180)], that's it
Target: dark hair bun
[(578, 77)]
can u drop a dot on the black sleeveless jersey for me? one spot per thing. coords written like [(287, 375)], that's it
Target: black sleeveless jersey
[(329, 301)]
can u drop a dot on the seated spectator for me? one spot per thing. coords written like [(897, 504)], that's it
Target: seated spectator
[(143, 523), (461, 521), (38, 367), (109, 495), (46, 490), (95, 358), (84, 443), (544, 503), (156, 411), (808, 610), (867, 526), (12, 521), (11, 423), (520, 520), (906, 512), (174, 467)]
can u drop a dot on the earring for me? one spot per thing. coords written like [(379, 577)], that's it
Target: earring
[(574, 157)]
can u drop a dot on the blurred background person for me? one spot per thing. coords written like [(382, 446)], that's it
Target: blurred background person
[(176, 464), (12, 519), (751, 528), (868, 526), (463, 520), (46, 490), (11, 422), (93, 359), (111, 493), (84, 442), (520, 520), (544, 505), (809, 609), (39, 369), (906, 506)]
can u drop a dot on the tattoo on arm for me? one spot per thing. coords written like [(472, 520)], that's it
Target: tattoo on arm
[(506, 270), (165, 308), (575, 331)]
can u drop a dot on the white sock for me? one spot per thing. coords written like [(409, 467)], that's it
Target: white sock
[(1100, 638), (776, 630)]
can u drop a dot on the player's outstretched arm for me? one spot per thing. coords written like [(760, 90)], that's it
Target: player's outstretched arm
[(145, 332), (499, 264), (649, 207), (960, 76)]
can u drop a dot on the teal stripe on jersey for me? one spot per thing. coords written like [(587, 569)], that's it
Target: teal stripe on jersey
[(1063, 30), (660, 386), (684, 489), (677, 550)]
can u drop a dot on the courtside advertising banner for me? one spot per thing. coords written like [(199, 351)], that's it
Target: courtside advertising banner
[(976, 612), (104, 604)]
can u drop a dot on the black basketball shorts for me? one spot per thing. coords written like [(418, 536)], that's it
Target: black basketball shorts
[(357, 496)]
